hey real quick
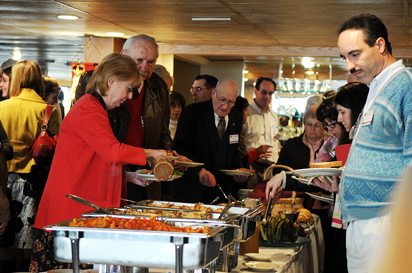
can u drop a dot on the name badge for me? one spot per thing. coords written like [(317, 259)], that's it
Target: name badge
[(233, 139), (367, 118)]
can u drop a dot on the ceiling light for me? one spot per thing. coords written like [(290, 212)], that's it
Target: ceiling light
[(309, 72), (245, 79), (67, 17), (245, 71), (211, 18), (308, 62), (16, 54), (115, 34)]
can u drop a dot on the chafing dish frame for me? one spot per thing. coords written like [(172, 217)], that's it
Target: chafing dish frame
[(140, 248)]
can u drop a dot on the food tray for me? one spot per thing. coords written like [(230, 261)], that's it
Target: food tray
[(246, 218), (230, 232), (139, 248)]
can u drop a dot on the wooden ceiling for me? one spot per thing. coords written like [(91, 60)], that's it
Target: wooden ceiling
[(263, 33)]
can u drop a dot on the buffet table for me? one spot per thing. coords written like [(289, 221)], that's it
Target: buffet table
[(307, 258)]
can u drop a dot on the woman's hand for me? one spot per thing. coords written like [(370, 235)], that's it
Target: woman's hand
[(275, 185), (263, 151), (328, 183), (132, 177), (152, 154)]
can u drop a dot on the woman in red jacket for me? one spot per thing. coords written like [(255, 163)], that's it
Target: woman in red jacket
[(88, 159)]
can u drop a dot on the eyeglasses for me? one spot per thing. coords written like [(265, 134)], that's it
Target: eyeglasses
[(314, 126), (197, 89), (222, 101), (265, 92), (330, 125)]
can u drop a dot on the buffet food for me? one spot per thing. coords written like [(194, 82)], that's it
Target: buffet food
[(200, 214), (196, 206), (331, 164), (136, 224)]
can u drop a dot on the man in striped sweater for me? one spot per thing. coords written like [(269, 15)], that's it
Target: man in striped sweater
[(382, 147)]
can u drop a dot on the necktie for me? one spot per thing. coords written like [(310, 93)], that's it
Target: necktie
[(221, 126)]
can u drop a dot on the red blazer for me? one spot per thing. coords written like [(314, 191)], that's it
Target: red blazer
[(88, 163)]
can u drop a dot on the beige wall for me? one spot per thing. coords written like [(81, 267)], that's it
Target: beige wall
[(225, 69)]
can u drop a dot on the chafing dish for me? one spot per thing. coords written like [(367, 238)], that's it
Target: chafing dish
[(139, 248), (230, 233), (246, 218)]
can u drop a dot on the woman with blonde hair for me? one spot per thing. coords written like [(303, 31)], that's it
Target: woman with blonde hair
[(22, 116)]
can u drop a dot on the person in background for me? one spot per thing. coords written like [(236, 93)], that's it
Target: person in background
[(208, 132), (165, 75), (26, 92), (51, 94), (1, 86), (350, 100), (6, 77), (177, 103), (6, 153), (299, 152), (149, 109), (313, 103), (88, 160), (336, 133), (242, 105), (51, 90), (60, 100), (202, 87), (261, 128), (81, 86)]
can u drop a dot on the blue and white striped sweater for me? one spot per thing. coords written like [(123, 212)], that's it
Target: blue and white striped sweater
[(380, 153)]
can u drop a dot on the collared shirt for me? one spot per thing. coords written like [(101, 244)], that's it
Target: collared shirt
[(380, 80), (217, 118), (261, 128)]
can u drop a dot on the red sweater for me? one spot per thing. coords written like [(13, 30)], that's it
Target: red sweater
[(88, 163)]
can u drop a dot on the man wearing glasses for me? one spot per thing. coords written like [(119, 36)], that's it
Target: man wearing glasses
[(202, 88), (208, 132), (261, 128)]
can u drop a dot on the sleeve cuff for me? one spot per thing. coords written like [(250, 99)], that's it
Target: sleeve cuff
[(283, 173)]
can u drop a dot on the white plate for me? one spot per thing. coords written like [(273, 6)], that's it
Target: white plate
[(309, 172), (321, 197), (236, 172), (151, 176), (188, 164), (262, 266), (257, 257)]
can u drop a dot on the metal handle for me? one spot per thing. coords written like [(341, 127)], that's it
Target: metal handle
[(85, 202), (224, 194), (268, 207)]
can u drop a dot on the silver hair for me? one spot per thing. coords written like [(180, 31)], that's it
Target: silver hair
[(312, 101), (141, 38)]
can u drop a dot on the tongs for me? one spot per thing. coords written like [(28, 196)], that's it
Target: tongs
[(268, 209), (139, 205), (224, 194), (224, 211), (87, 203)]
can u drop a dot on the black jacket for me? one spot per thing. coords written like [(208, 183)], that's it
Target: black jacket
[(197, 138)]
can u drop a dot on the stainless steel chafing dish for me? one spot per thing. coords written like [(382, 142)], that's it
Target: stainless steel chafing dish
[(139, 248), (246, 218), (230, 233)]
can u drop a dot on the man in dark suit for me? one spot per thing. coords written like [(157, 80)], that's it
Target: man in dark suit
[(208, 132)]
